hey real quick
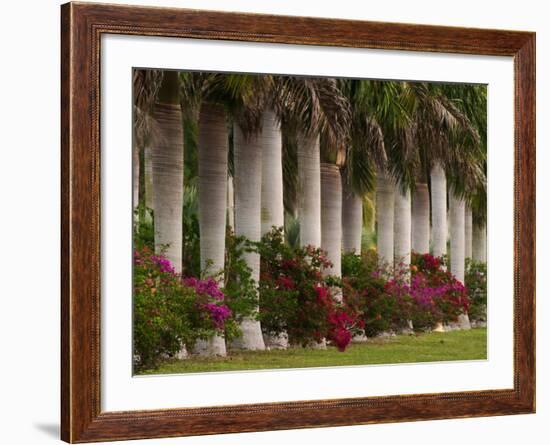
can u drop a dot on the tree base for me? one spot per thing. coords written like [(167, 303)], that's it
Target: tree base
[(213, 347), (276, 341), (251, 338)]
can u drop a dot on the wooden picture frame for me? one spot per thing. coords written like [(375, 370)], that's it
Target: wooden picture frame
[(82, 26)]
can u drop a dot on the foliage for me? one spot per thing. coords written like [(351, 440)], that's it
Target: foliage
[(240, 289), (385, 300), (476, 283), (143, 233), (439, 295), (170, 312), (365, 289), (295, 297), (191, 265)]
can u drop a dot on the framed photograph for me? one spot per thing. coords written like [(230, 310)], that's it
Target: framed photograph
[(274, 222)]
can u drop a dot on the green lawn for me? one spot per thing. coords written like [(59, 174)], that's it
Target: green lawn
[(455, 345)]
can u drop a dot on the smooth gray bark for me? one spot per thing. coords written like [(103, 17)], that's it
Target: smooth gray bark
[(385, 201), (147, 156), (402, 229), (167, 169), (135, 176), (479, 243), (272, 213), (468, 232), (439, 211), (352, 219), (421, 219), (248, 193), (309, 201), (331, 219), (212, 156), (457, 217), (230, 203)]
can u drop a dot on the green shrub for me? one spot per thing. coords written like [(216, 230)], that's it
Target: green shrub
[(476, 283), (144, 234), (167, 312), (240, 289)]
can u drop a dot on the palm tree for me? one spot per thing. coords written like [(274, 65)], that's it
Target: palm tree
[(148, 177), (467, 175), (247, 159), (457, 219), (309, 183), (468, 231), (331, 218), (421, 218), (457, 216), (212, 157), (230, 203), (391, 108), (435, 122), (478, 202), (479, 243), (146, 132), (352, 219), (205, 99), (312, 106), (402, 227), (378, 113), (167, 170), (365, 150), (135, 175), (439, 210), (385, 216), (272, 201)]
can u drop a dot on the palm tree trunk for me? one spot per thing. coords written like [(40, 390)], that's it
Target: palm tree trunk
[(230, 203), (309, 176), (272, 213), (421, 219), (385, 202), (248, 193), (468, 232), (148, 176), (439, 210), (402, 228), (148, 179), (309, 198), (331, 219), (352, 219), (213, 149), (167, 167), (457, 217), (479, 243), (135, 176)]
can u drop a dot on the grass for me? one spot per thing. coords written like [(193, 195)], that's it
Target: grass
[(454, 345)]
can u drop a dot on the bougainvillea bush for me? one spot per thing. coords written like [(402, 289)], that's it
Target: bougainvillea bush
[(365, 288), (438, 295), (296, 299), (476, 282), (170, 312), (386, 300)]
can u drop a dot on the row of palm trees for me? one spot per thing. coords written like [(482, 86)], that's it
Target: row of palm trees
[(315, 149)]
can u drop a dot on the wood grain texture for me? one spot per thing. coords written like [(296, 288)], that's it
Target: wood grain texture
[(81, 28)]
